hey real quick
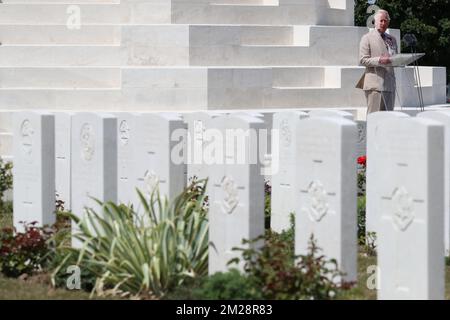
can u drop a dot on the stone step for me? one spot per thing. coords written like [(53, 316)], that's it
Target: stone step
[(72, 78), (314, 97), (109, 56), (159, 99), (61, 99), (288, 14), (60, 1), (188, 88), (245, 2), (325, 76), (298, 77), (260, 55), (49, 56), (60, 34), (61, 14), (315, 12), (223, 35), (165, 45), (75, 16)]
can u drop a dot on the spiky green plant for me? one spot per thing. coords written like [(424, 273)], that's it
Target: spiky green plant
[(146, 253)]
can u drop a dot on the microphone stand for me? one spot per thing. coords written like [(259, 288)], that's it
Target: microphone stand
[(418, 80)]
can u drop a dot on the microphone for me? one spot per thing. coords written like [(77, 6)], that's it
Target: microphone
[(410, 40)]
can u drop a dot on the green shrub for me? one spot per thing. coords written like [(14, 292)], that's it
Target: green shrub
[(62, 255), (267, 204), (361, 220), (147, 253), (23, 252), (231, 285), (279, 274), (6, 180), (6, 215), (362, 168)]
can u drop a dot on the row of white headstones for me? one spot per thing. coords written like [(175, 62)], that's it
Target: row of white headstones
[(106, 156)]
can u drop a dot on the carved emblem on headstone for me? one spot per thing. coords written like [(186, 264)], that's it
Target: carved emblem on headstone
[(87, 139), (124, 132), (403, 214), (285, 133), (151, 181), (319, 205), (27, 132), (231, 197), (199, 130)]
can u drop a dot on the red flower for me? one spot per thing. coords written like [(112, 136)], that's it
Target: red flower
[(362, 160)]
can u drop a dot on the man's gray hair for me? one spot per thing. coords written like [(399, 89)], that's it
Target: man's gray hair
[(380, 12)]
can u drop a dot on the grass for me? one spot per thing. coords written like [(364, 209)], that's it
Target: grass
[(361, 291), (36, 289)]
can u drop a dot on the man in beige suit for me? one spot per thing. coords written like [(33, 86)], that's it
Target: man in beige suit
[(378, 81)]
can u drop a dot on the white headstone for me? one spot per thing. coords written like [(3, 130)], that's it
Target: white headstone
[(196, 126), (126, 158), (265, 138), (283, 192), (159, 150), (236, 199), (361, 142), (326, 190), (373, 188), (410, 156), (443, 117), (94, 162), (63, 143), (34, 168)]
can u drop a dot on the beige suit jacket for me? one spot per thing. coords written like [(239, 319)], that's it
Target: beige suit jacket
[(376, 77)]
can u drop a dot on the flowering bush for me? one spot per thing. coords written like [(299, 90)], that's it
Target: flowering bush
[(279, 274), (362, 175), (23, 252), (6, 179)]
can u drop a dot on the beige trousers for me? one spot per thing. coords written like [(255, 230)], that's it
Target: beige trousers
[(380, 101)]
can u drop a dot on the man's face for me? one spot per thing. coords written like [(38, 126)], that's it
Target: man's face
[(382, 22)]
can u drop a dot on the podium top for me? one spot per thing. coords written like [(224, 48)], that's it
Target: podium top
[(404, 59)]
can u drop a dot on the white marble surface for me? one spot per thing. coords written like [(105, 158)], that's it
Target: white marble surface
[(325, 188), (94, 163), (236, 192), (410, 155), (34, 168), (283, 180)]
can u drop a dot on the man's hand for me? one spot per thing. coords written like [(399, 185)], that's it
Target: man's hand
[(385, 59)]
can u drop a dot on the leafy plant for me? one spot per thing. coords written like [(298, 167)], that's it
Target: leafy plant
[(361, 207), (23, 252), (362, 175), (146, 253), (6, 180), (281, 275), (267, 204), (231, 285), (6, 215), (370, 246)]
